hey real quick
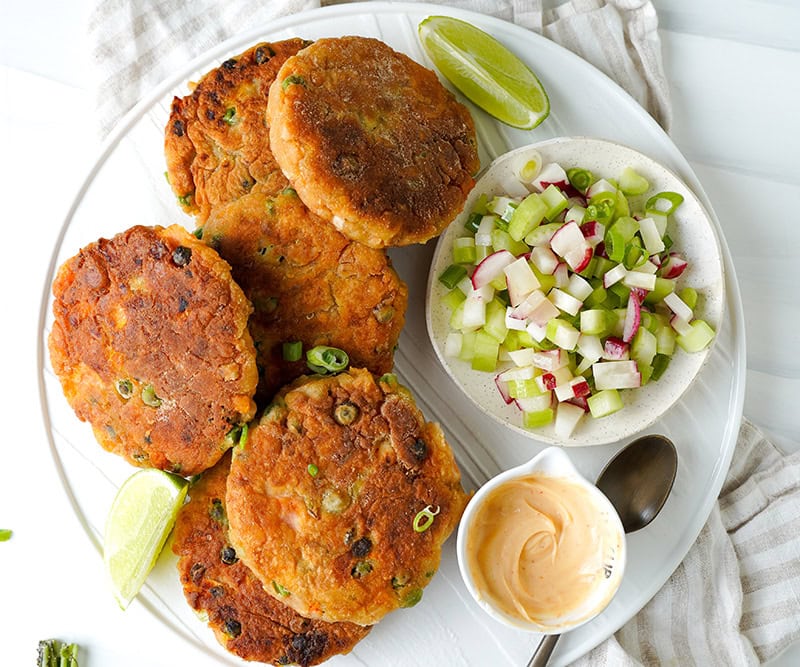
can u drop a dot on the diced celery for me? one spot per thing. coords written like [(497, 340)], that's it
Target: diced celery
[(496, 320), (643, 348), (562, 333), (457, 316), (453, 298), (645, 372), (542, 234), (689, 296), (482, 252), (467, 346), (698, 338), (523, 388), (537, 419), (617, 237), (665, 340), (663, 287), (604, 403), (481, 205), (527, 216), (621, 290), (623, 208), (555, 201), (464, 250), (596, 321), (525, 339), (473, 222), (598, 296), (485, 352), (502, 241), (511, 342), (502, 296), (602, 266), (632, 183)]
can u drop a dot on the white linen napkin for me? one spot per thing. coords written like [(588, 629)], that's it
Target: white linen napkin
[(735, 600), (136, 44)]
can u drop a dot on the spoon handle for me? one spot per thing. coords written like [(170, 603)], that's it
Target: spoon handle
[(543, 651)]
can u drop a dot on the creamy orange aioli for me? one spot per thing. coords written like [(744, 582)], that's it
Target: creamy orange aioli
[(538, 547)]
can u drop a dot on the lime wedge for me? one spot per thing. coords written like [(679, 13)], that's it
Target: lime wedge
[(140, 519), (485, 71)]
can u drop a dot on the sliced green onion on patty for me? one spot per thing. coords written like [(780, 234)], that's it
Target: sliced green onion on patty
[(325, 359)]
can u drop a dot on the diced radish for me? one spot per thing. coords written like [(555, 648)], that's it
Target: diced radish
[(483, 235), (613, 275), (638, 279), (474, 314), (563, 334), (535, 403), (593, 232), (520, 279), (561, 274), (655, 260), (531, 302), (536, 331), (616, 375), (600, 185), (600, 250), (452, 344), (502, 387), (550, 360), (615, 349), (542, 234), (674, 266), (632, 319), (640, 294), (681, 326), (579, 287), (590, 347), (575, 214), (550, 380), (579, 259), (550, 173), (576, 387), (568, 242), (581, 402), (650, 236), (514, 323), (544, 259), (678, 306), (491, 268), (563, 301), (522, 373), (523, 356), (649, 266), (567, 418), (543, 312)]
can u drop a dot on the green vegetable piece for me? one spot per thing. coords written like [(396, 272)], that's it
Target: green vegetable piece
[(125, 388), (346, 413), (555, 200), (664, 202), (660, 363), (326, 359), (412, 598), (292, 351), (291, 80), (485, 352), (424, 518), (452, 275), (537, 419), (698, 338), (527, 216), (280, 590), (149, 396), (473, 221), (230, 116), (5, 534), (689, 296), (631, 183), (312, 469), (580, 179), (604, 403)]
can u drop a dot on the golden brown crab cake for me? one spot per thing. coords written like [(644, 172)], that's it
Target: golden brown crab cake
[(307, 283), (151, 345), (245, 619), (330, 502), (372, 141), (216, 139)]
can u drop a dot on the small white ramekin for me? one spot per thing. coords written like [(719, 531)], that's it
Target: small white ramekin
[(551, 462)]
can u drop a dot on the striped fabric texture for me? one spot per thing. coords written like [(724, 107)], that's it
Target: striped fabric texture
[(136, 44), (735, 599)]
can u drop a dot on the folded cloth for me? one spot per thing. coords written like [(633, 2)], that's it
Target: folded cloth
[(136, 44), (735, 599)]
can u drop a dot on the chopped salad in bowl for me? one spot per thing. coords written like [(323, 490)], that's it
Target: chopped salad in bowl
[(578, 293)]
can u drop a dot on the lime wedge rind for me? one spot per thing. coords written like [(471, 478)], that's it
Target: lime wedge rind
[(485, 71), (139, 522)]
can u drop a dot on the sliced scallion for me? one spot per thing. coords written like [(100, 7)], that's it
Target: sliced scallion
[(292, 350), (580, 179), (230, 116), (425, 518), (5, 534), (313, 469), (672, 199), (325, 359), (452, 275)]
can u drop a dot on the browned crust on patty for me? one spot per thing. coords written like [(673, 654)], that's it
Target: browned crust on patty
[(339, 538), (216, 140), (245, 619), (157, 310), (307, 283), (372, 140)]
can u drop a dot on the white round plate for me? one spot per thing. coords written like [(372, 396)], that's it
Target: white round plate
[(690, 229), (126, 186)]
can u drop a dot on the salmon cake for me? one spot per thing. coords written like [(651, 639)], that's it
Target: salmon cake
[(216, 140), (372, 141), (151, 345), (342, 497), (245, 619), (308, 283)]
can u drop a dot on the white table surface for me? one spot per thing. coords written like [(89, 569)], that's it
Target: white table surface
[(734, 71)]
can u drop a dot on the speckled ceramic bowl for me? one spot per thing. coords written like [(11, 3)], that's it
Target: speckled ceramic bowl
[(693, 236), (551, 462)]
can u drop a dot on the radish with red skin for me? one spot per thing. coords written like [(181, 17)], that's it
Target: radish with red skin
[(544, 259), (616, 375), (567, 419), (520, 279), (491, 268), (615, 349), (632, 318), (614, 275), (674, 266), (594, 232), (502, 387)]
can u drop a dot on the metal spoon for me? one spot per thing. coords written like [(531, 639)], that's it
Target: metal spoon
[(637, 481)]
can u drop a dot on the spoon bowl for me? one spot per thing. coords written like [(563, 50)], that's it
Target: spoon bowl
[(637, 481)]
